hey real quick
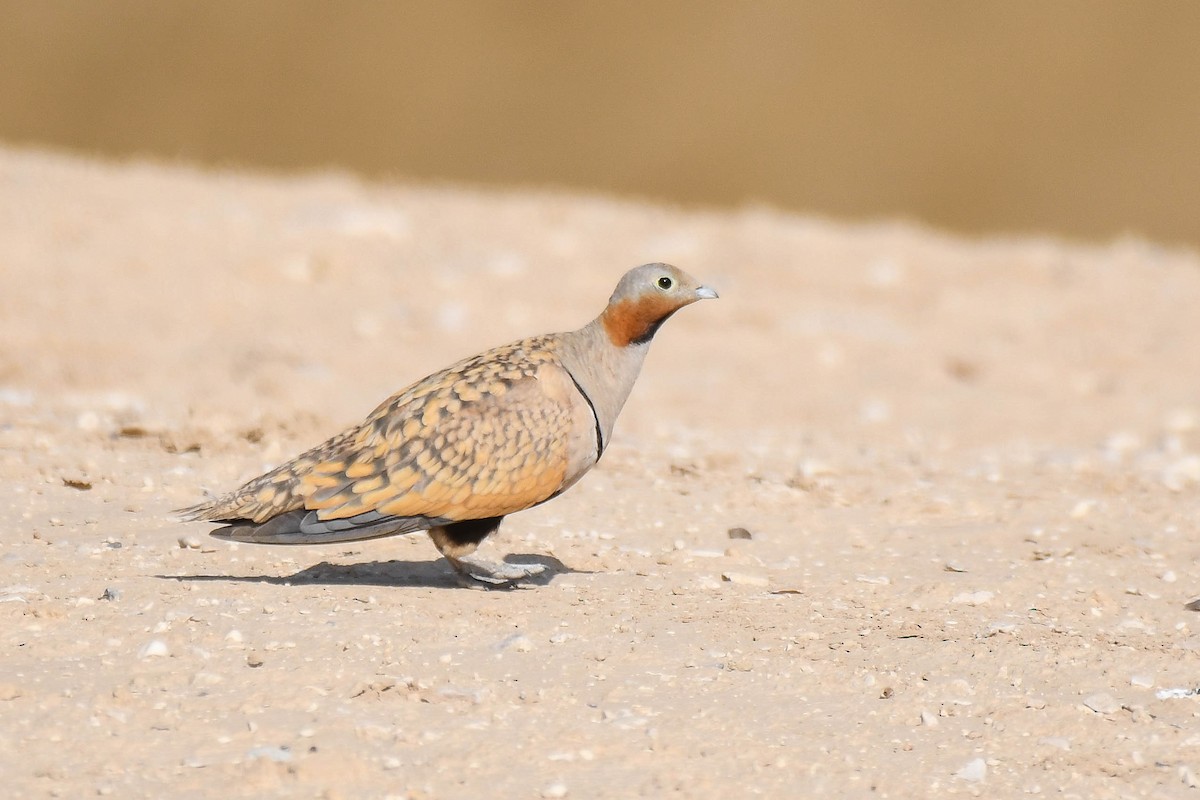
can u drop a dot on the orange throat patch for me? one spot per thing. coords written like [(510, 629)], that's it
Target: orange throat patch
[(635, 322)]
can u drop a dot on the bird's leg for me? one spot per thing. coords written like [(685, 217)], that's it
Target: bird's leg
[(458, 542)]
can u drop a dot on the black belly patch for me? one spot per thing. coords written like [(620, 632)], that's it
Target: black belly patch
[(471, 531)]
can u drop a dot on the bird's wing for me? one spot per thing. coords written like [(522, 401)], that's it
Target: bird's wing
[(489, 436), (468, 451)]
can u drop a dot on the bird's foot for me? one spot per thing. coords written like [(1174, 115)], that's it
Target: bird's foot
[(484, 571)]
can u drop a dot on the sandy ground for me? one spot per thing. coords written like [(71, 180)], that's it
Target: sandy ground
[(969, 471)]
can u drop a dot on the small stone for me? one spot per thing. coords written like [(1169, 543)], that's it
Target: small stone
[(207, 679), (555, 790), (1082, 509), (974, 771), (1058, 742), (155, 648), (811, 468), (1187, 776), (700, 553), (745, 579), (973, 598), (234, 636), (112, 594), (254, 660), (1181, 473), (1102, 703), (953, 566), (1168, 576), (280, 755), (1141, 681), (928, 718), (739, 533), (189, 542), (517, 641)]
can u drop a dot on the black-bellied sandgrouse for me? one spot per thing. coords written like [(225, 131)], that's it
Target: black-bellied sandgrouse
[(455, 452)]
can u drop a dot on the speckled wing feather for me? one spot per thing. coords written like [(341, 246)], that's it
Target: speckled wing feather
[(486, 437)]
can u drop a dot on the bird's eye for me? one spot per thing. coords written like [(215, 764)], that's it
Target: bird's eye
[(664, 282)]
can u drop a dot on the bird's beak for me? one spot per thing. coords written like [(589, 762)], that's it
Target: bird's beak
[(706, 293)]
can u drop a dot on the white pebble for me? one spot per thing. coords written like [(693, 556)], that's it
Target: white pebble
[(707, 553), (555, 790), (518, 641), (1121, 443), (974, 771), (811, 468), (155, 648), (280, 754), (928, 718), (1059, 742), (1102, 703), (1082, 509), (973, 598), (1180, 473), (745, 579), (1141, 681)]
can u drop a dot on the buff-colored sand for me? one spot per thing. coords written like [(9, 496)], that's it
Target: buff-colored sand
[(900, 515)]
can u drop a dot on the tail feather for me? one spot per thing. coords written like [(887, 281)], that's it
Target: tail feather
[(303, 527), (198, 513)]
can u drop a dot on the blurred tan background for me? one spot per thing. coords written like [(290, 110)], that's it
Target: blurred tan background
[(1075, 118)]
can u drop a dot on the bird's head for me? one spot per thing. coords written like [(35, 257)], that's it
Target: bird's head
[(645, 297)]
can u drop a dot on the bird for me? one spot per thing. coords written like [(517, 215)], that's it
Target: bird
[(457, 451)]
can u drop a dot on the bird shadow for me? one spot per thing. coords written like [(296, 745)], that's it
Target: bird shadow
[(394, 573)]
